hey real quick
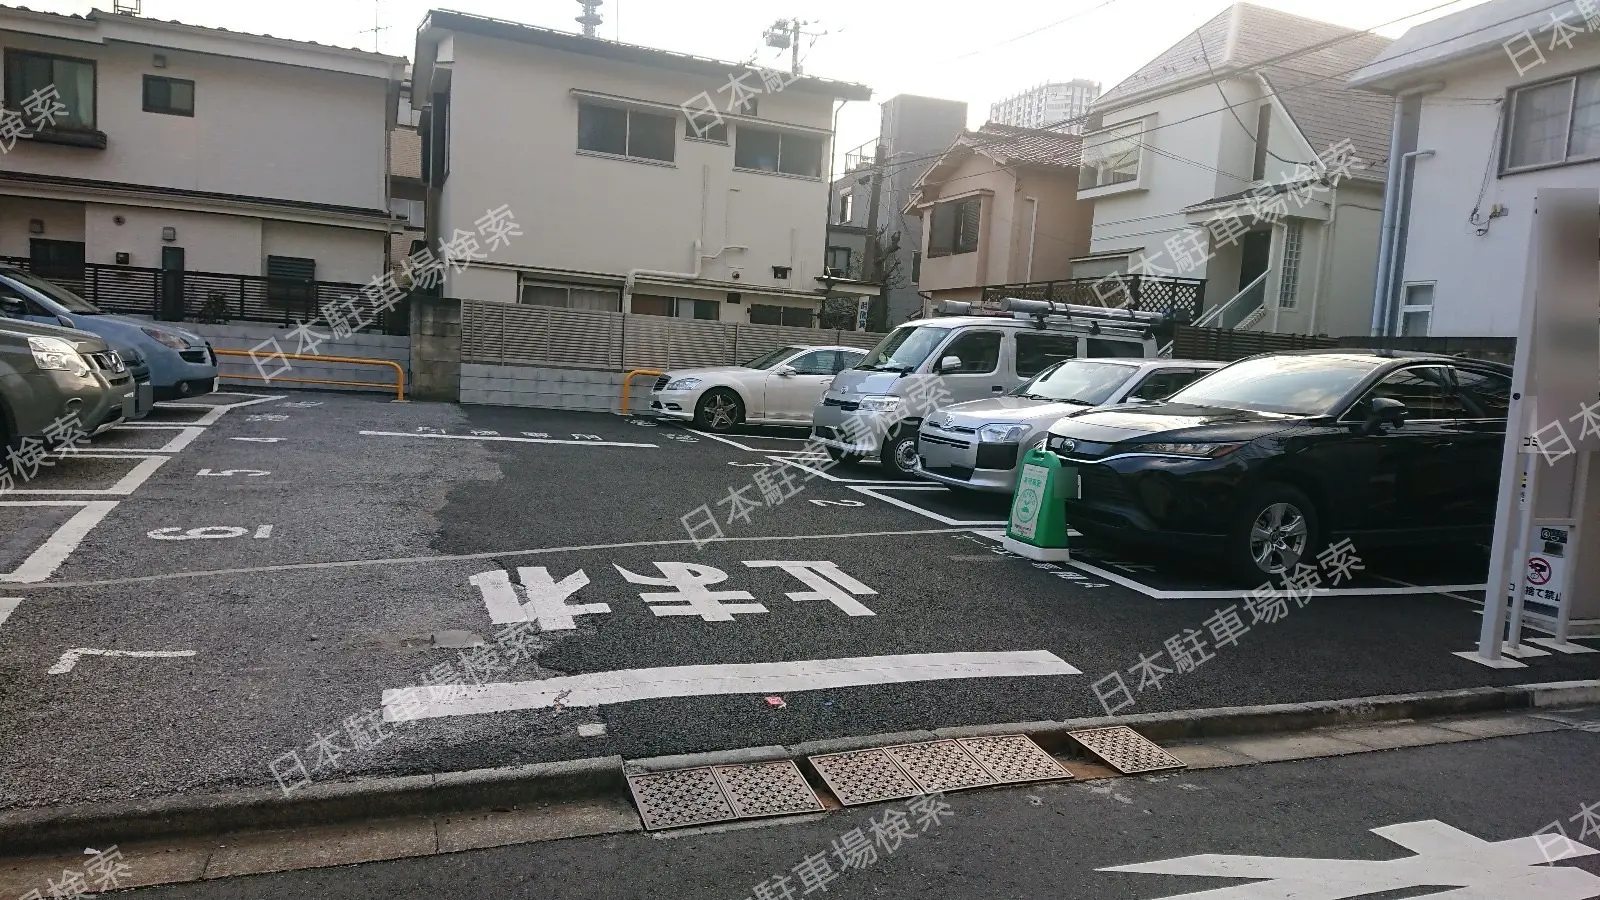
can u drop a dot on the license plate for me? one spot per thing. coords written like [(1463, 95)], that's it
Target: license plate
[(130, 405), (214, 383)]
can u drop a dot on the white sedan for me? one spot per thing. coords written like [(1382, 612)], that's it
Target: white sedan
[(776, 388)]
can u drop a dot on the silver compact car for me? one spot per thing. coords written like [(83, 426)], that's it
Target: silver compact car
[(976, 445)]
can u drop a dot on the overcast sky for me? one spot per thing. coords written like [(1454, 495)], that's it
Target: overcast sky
[(978, 52)]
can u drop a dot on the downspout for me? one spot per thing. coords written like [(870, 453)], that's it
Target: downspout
[(699, 248), (1033, 239), (1390, 216), (1391, 275)]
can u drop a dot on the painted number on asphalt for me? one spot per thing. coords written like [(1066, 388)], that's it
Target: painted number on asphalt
[(208, 533), (642, 423), (301, 404), (838, 502), (228, 473), (266, 417), (587, 437), (682, 438)]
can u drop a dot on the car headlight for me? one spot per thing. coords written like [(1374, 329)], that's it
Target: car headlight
[(54, 353), (167, 338), (1002, 433), (683, 384), (1201, 451), (880, 402)]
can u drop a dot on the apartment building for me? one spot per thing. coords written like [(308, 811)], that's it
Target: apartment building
[(1053, 105)]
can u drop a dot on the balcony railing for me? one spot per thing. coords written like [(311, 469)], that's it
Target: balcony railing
[(1177, 298), (181, 296)]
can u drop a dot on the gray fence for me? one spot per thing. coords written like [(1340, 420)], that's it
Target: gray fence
[(514, 334)]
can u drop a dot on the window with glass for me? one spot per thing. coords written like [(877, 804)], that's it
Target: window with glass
[(1429, 393), (1311, 385), (695, 130), (817, 362), (168, 96), (1038, 351), (979, 352), (625, 132), (676, 307), (1289, 285), (1079, 381), (766, 314), (1161, 385), (571, 296), (1111, 156), (953, 227), (772, 151), (838, 260), (1416, 310), (37, 83), (1554, 122), (1486, 394)]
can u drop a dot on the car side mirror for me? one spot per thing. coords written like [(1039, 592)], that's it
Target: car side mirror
[(13, 306), (950, 364), (1386, 411), (785, 371)]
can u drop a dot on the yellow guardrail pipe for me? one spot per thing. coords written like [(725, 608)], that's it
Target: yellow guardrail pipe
[(627, 382), (399, 372)]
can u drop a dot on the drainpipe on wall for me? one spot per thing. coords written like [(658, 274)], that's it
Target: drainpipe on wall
[(1033, 236), (1388, 237), (1323, 257), (1397, 234)]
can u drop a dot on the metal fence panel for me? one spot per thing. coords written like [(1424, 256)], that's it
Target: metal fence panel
[(494, 332)]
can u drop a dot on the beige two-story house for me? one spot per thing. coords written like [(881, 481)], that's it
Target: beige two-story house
[(142, 144), (641, 181), (1000, 206)]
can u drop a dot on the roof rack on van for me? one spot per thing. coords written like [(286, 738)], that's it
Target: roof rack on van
[(1065, 316)]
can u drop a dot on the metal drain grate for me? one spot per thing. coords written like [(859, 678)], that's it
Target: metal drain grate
[(939, 765), (863, 776), (676, 799), (1126, 750), (1014, 758), (767, 789)]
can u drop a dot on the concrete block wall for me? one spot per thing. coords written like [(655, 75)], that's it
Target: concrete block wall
[(436, 348), (249, 335), (542, 387)]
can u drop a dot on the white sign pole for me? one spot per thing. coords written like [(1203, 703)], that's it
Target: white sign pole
[(1530, 491)]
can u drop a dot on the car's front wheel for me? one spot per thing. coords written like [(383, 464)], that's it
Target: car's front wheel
[(899, 453), (719, 411), (1275, 530)]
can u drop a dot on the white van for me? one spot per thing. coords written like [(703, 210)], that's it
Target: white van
[(876, 407)]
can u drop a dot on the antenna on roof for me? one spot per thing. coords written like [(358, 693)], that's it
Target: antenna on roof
[(590, 20), (377, 24), (127, 7)]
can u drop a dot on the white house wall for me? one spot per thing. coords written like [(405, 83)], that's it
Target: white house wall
[(1479, 278), (513, 142), (342, 254), (259, 130), (211, 243)]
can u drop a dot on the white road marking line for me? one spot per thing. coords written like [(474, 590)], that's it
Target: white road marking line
[(125, 485), (186, 436), (470, 557), (601, 688), (513, 440), (70, 658), (592, 730), (255, 440), (821, 473), (729, 441), (8, 605), (895, 501), (44, 561), (1451, 594)]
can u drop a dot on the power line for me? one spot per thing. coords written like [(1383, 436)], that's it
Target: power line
[(1028, 34)]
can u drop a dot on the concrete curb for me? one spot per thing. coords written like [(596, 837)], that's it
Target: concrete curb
[(38, 830)]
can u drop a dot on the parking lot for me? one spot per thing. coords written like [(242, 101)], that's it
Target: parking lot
[(241, 590)]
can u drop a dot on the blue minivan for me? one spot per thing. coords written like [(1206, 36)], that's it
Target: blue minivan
[(181, 363)]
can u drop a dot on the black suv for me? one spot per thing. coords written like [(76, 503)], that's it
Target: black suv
[(1266, 460)]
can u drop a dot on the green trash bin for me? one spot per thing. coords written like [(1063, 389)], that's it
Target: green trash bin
[(1037, 528)]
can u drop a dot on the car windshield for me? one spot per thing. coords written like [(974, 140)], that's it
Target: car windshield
[(1082, 381), (768, 360), (904, 349), (1295, 385), (62, 296)]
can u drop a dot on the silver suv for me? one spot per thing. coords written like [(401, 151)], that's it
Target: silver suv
[(875, 408)]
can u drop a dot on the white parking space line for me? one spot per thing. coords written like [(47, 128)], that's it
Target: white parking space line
[(824, 474), (729, 441), (8, 605), (216, 411), (601, 688), (125, 485), (509, 440), (187, 434), (469, 557), (876, 493), (43, 562), (69, 659)]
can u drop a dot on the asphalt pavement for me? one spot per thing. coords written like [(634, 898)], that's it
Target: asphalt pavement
[(1450, 804), (264, 577)]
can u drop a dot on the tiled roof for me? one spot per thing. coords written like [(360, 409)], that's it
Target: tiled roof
[(1027, 146), (99, 15), (1305, 61)]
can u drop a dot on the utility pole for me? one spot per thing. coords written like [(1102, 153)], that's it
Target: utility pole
[(785, 34), (871, 264)]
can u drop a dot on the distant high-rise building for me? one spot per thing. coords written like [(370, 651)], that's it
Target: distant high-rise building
[(1048, 105)]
